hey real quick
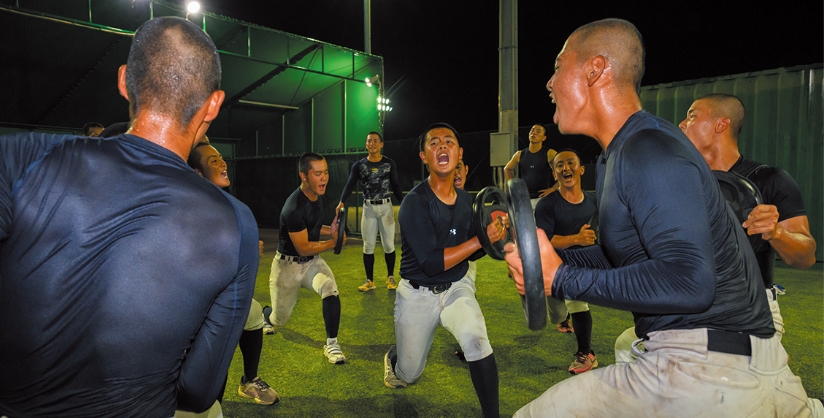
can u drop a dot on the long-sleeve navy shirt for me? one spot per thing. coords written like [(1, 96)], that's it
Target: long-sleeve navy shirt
[(125, 278), (671, 250)]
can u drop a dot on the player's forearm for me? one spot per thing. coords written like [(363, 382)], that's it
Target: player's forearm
[(795, 249), (453, 256), (560, 242), (314, 247), (509, 173)]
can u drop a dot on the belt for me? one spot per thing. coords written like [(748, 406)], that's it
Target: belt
[(774, 293), (439, 288), (378, 201), (296, 259), (728, 342)]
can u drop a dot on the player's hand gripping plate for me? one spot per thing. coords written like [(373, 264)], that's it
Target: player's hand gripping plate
[(742, 196), (516, 203), (341, 217)]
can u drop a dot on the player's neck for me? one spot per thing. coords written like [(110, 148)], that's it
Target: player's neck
[(535, 146), (722, 157), (164, 132), (375, 158), (572, 195), (443, 187), (307, 191)]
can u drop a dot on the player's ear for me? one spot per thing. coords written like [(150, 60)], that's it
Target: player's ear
[(722, 124), (460, 150), (121, 82), (582, 169), (423, 156), (302, 176), (596, 67)]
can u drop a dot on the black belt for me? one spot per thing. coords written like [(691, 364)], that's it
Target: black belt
[(774, 293), (297, 259), (728, 342), (439, 288), (378, 201)]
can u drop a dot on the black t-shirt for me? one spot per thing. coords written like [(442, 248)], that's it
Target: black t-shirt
[(777, 188), (428, 226), (299, 213), (556, 216), (535, 170), (377, 179)]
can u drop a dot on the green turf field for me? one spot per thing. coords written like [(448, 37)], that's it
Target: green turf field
[(528, 362)]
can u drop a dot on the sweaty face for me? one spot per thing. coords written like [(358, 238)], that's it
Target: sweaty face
[(317, 177), (460, 174), (699, 124), (214, 168), (537, 134), (373, 144), (441, 151), (567, 169), (567, 89)]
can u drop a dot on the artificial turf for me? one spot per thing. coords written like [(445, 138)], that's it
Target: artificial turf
[(528, 362)]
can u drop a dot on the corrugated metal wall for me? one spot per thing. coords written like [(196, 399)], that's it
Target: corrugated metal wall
[(784, 125)]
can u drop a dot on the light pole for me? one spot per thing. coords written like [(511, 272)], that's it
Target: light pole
[(367, 26)]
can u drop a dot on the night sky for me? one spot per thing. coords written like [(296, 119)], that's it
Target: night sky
[(441, 59)]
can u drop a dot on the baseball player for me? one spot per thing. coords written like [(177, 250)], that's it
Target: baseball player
[(534, 164), (207, 161), (670, 250), (377, 174), (297, 262), (436, 289), (564, 216), (126, 277)]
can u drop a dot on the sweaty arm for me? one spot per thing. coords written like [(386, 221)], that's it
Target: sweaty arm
[(509, 169), (793, 242), (308, 248)]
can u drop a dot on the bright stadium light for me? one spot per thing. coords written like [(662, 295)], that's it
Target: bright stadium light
[(193, 7), (372, 80)]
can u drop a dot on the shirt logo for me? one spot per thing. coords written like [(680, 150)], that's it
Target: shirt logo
[(453, 231)]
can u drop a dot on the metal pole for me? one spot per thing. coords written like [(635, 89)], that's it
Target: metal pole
[(367, 26)]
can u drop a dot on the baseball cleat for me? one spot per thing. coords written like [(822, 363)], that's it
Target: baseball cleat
[(390, 283), (389, 378), (258, 390), (583, 363), (565, 327), (334, 354), (367, 286)]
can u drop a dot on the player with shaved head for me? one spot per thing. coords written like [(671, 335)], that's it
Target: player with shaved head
[(669, 249), (126, 277)]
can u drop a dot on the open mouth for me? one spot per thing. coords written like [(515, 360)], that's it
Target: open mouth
[(458, 181), (224, 174), (443, 159)]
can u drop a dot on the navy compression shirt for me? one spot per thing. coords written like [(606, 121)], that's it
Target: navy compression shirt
[(125, 278), (376, 179), (681, 260), (428, 226), (535, 170)]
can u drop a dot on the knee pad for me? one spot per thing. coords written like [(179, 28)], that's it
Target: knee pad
[(254, 321), (575, 306)]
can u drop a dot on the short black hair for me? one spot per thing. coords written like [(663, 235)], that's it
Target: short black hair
[(305, 162), (422, 138), (376, 133), (566, 150), (87, 128), (115, 129), (173, 67), (195, 156)]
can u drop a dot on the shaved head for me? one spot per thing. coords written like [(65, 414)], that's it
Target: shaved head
[(172, 69), (616, 40), (727, 106)]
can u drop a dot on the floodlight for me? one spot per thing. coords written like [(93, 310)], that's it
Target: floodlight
[(372, 80), (193, 7)]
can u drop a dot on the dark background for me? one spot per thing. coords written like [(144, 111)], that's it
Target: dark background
[(441, 56)]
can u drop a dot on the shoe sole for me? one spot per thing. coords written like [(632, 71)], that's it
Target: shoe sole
[(338, 361)]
